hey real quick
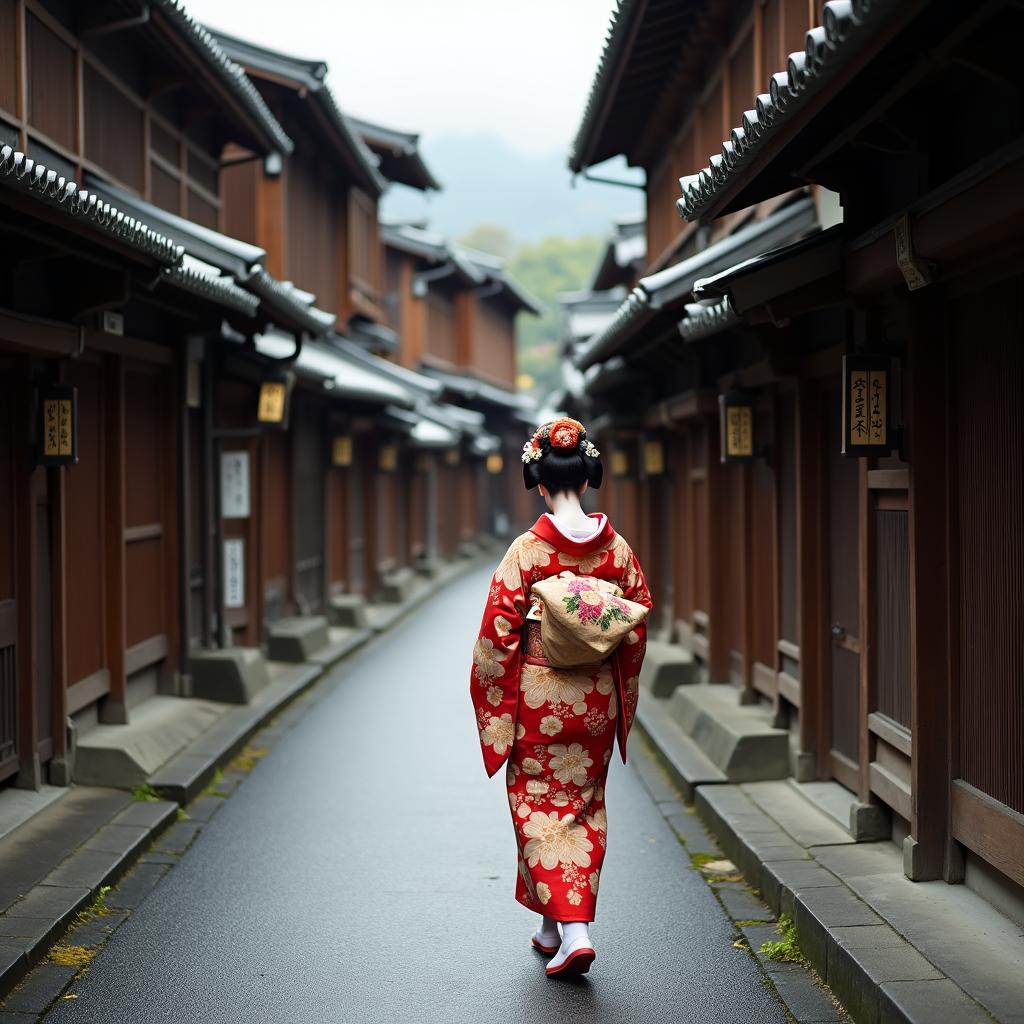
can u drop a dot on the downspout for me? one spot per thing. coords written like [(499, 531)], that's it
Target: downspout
[(421, 280)]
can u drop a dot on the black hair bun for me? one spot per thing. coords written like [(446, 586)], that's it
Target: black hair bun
[(560, 457)]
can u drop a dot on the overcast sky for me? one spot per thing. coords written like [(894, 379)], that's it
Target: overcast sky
[(518, 69)]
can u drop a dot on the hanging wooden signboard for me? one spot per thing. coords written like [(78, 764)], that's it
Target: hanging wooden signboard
[(341, 450), (654, 458), (867, 426), (57, 425), (736, 427)]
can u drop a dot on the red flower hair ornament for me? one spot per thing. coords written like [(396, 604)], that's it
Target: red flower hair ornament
[(563, 435)]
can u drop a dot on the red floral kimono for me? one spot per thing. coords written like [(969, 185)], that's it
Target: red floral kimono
[(555, 727)]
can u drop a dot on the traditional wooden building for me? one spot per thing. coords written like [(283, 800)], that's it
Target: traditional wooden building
[(99, 313), (812, 394)]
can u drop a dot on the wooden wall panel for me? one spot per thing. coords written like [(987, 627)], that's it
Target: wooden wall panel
[(144, 574), (84, 549), (785, 461), (144, 439), (890, 603), (239, 185), (51, 83), (440, 341), (114, 130), (311, 242), (761, 554), (989, 484), (337, 530), (495, 344), (275, 517), (8, 67)]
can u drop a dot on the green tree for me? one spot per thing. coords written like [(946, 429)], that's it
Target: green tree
[(546, 269)]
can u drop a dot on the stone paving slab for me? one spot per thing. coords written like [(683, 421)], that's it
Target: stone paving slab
[(854, 912), (39, 989), (795, 814)]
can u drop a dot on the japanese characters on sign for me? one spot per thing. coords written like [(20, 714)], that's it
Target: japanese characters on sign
[(273, 396), (234, 485), (234, 573), (736, 427), (57, 426), (866, 416)]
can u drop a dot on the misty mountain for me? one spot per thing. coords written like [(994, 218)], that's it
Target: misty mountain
[(486, 181)]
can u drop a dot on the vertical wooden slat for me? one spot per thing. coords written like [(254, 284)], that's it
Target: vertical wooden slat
[(929, 637), (866, 701), (114, 708)]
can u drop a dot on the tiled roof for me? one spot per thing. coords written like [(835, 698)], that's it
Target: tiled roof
[(311, 74), (211, 285), (231, 74), (847, 26), (294, 306), (705, 319), (664, 290), (22, 172), (399, 153)]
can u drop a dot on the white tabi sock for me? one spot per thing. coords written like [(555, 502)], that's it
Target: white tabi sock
[(573, 930), (547, 933)]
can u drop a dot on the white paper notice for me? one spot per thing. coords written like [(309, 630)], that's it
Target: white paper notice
[(234, 573), (234, 485)]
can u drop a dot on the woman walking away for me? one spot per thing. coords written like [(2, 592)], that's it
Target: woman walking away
[(554, 681)]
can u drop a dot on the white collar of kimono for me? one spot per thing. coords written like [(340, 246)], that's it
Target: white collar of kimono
[(579, 535)]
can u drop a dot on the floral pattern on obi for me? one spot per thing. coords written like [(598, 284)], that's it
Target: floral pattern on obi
[(592, 605)]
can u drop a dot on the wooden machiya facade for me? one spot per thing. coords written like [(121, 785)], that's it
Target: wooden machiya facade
[(96, 313), (869, 602)]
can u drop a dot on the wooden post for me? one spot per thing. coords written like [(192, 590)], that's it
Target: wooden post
[(272, 221), (114, 708), (717, 538), (924, 850), (810, 580), (26, 484)]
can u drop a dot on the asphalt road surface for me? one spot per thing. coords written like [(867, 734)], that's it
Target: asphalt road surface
[(364, 872)]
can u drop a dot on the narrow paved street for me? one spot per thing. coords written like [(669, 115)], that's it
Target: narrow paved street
[(365, 870)]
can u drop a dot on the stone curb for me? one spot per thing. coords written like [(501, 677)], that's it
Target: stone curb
[(877, 975), (51, 905)]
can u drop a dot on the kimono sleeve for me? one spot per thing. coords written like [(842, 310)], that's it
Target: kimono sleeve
[(629, 655), (497, 660)]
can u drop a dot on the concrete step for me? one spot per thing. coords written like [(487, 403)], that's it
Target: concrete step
[(348, 611), (18, 805), (738, 738), (396, 586), (296, 639), (125, 756), (832, 799), (339, 643), (185, 775), (808, 824), (665, 667), (687, 764), (234, 674)]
